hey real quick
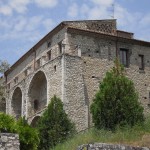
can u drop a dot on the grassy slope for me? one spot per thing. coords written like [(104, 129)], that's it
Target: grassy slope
[(136, 136)]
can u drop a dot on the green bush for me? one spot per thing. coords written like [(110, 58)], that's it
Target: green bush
[(7, 124), (116, 102), (28, 136), (54, 126)]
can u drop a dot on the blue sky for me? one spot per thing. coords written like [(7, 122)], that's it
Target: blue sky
[(24, 22)]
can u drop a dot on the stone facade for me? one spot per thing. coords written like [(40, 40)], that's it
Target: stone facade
[(70, 62), (9, 141), (104, 146)]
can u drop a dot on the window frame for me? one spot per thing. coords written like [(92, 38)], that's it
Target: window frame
[(126, 64)]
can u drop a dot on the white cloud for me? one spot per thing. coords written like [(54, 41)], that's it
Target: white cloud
[(73, 10), (21, 6), (46, 3), (5, 10), (24, 28), (103, 2)]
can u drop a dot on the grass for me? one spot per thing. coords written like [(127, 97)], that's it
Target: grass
[(136, 136)]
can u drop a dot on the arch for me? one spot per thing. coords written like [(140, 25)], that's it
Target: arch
[(35, 121), (37, 93), (16, 103)]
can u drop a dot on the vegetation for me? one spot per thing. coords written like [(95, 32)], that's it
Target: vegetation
[(135, 136), (116, 102), (54, 126), (4, 65), (28, 136), (7, 124)]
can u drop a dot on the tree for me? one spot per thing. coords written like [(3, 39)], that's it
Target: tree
[(7, 124), (4, 65), (54, 125), (116, 102), (28, 136)]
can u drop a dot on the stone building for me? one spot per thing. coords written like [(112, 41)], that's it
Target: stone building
[(70, 62)]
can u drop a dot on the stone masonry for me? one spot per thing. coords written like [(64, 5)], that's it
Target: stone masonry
[(104, 146), (70, 62), (9, 141)]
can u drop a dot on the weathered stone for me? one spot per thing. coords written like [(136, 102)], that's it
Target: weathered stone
[(71, 67), (9, 141)]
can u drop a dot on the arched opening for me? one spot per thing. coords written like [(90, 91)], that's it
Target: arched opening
[(35, 121), (37, 93), (16, 103)]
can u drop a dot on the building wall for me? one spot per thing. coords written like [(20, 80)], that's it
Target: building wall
[(74, 74), (98, 54), (51, 68)]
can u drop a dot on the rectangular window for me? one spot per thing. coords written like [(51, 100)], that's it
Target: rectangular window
[(16, 80), (141, 62), (38, 63), (48, 44), (49, 55), (124, 60), (60, 47)]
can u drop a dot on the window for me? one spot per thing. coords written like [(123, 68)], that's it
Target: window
[(141, 62), (38, 64), (55, 68), (36, 105), (16, 80), (25, 72), (124, 57), (48, 44), (60, 47), (49, 55)]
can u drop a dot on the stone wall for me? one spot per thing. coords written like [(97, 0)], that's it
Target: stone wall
[(104, 146), (9, 141), (98, 54)]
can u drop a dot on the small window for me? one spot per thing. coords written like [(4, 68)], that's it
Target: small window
[(48, 44), (38, 64), (124, 60), (49, 55), (16, 80), (60, 47), (141, 62), (36, 105), (25, 72), (55, 68)]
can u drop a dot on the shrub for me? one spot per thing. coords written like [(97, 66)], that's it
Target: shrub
[(28, 136), (7, 124), (54, 126), (116, 102)]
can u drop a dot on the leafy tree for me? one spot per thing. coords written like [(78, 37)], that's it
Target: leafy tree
[(28, 136), (54, 126), (7, 124), (116, 102), (4, 65)]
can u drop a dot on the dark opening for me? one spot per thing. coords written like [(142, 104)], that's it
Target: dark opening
[(141, 64), (36, 105), (55, 68)]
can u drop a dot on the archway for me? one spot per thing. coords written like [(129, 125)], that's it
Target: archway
[(37, 93), (16, 103), (35, 121)]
